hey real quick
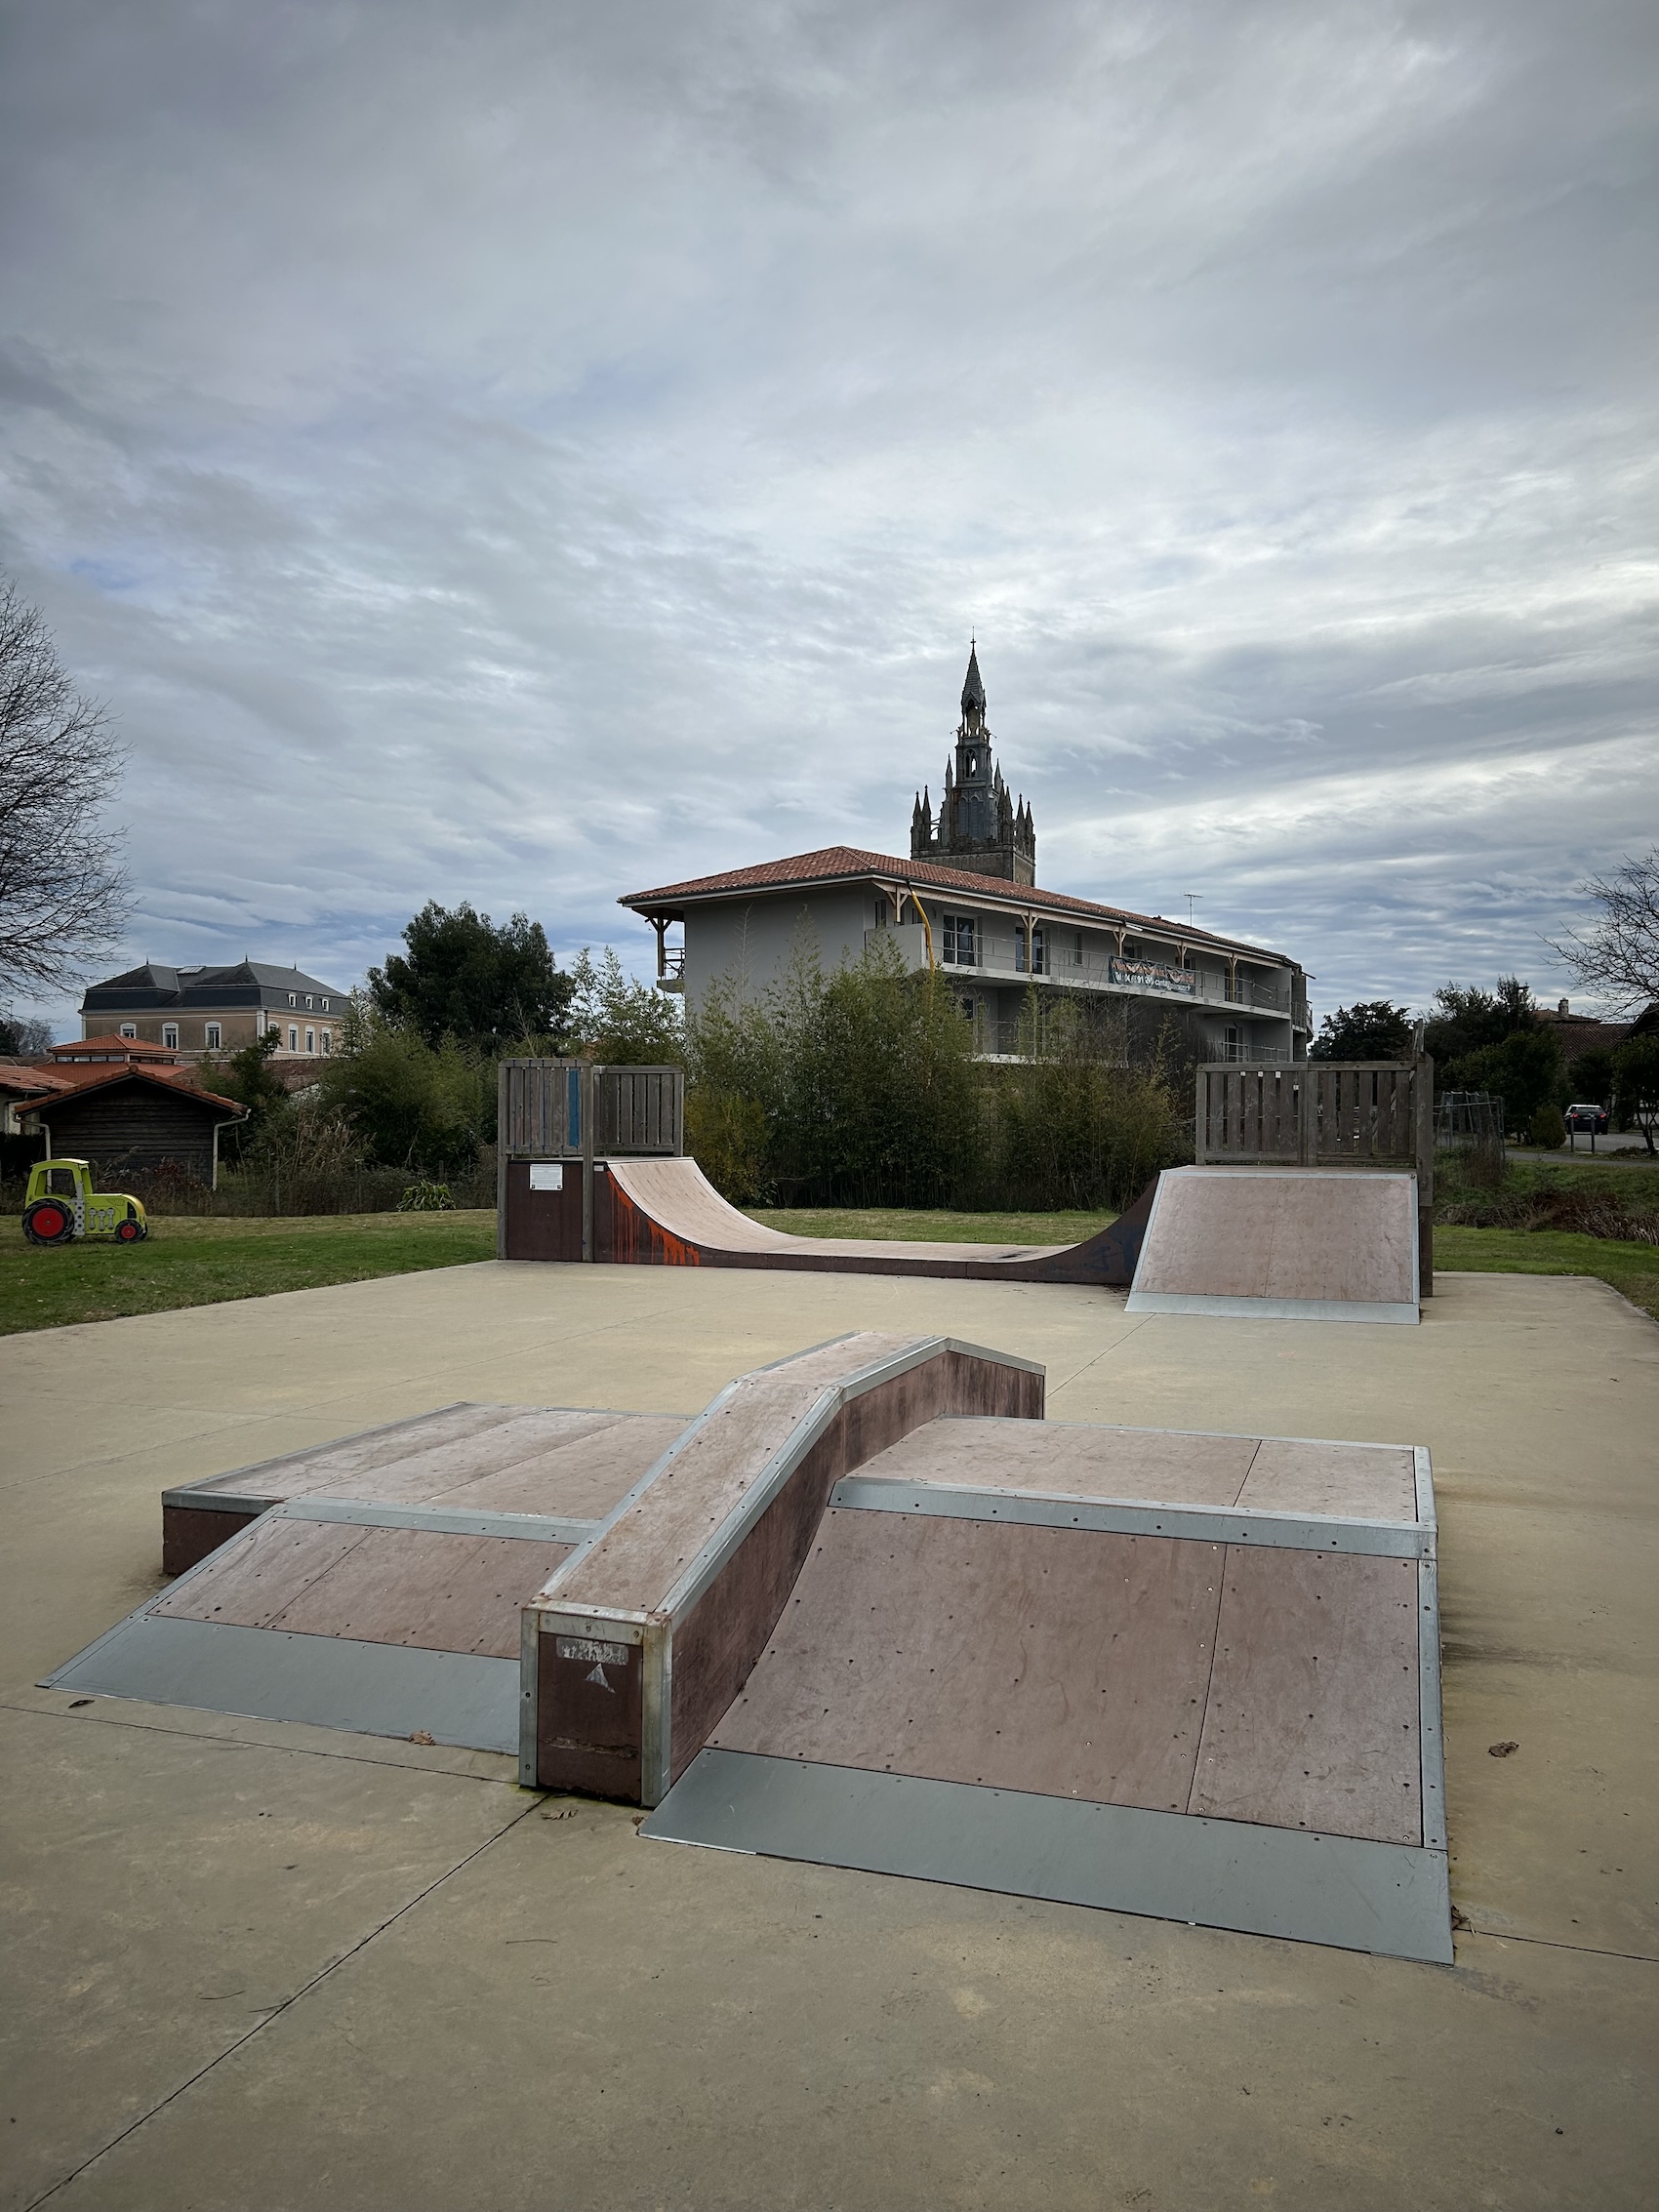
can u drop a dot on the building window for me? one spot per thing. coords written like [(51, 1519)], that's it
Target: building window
[(292, 1038), (960, 950), (967, 1006), (328, 1041), (129, 1029), (212, 1036), (1040, 958), (293, 998), (170, 1035), (325, 1005), (307, 1002), (310, 1040)]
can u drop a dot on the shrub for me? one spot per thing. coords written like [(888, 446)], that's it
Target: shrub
[(1547, 1129), (427, 1198)]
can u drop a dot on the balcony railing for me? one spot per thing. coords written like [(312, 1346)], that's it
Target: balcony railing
[(1000, 958)]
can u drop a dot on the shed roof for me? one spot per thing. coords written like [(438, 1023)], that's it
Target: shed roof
[(76, 1083)]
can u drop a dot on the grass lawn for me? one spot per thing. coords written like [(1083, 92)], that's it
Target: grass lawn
[(893, 1225), (1632, 1270), (194, 1261)]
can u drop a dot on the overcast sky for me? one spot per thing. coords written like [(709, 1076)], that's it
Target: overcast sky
[(528, 452)]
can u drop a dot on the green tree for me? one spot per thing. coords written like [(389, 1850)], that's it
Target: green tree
[(1526, 1071), (249, 1078), (1589, 1078), (411, 1105), (621, 1023), (1465, 1021), (1635, 1072), (1371, 1028), (461, 976)]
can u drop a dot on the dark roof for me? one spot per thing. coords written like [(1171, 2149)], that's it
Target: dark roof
[(846, 863), (78, 1081), (247, 982), (973, 691)]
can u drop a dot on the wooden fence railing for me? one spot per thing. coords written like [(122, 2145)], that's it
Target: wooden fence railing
[(551, 1110), (1329, 1113)]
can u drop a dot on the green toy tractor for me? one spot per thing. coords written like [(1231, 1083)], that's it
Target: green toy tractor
[(54, 1215)]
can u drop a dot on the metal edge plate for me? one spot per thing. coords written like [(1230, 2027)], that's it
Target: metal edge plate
[(1114, 1516), (1355, 1895), (329, 1681), (1144, 1302)]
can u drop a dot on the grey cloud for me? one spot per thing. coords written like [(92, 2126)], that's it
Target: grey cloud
[(529, 452)]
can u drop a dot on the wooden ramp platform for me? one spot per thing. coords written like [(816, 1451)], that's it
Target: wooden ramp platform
[(1281, 1244), (377, 1582), (1192, 1676), (664, 1212), (869, 1609)]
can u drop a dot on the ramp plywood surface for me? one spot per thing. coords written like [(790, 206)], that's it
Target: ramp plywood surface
[(1072, 1664), (1291, 1237), (1270, 1476), (395, 1585), (679, 1198), (1312, 1717), (639, 1558)]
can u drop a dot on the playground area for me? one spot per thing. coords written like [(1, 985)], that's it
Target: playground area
[(267, 1962)]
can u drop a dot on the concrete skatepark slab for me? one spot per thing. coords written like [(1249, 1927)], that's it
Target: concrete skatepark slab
[(193, 2017), (1281, 1244)]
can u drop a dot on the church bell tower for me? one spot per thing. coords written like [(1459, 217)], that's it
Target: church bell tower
[(981, 827)]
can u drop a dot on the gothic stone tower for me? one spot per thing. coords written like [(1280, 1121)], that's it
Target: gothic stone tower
[(981, 827)]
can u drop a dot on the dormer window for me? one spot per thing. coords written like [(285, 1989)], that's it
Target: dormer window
[(325, 1005), (307, 1002)]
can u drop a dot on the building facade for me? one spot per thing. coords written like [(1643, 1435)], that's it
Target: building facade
[(1009, 950), (197, 1010), (966, 904)]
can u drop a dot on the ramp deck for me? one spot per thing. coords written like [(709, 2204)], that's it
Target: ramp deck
[(1281, 1244)]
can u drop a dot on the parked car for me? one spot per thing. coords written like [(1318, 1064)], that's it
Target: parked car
[(1588, 1121)]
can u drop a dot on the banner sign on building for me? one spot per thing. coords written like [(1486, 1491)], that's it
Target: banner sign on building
[(1153, 975)]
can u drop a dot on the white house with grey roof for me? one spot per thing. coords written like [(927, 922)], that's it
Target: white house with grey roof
[(219, 1010)]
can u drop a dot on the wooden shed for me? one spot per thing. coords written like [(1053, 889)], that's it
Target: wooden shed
[(135, 1120)]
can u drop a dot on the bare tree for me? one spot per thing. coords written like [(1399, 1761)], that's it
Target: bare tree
[(62, 888), (1619, 954)]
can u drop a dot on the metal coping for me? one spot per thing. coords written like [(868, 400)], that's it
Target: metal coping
[(1431, 1742), (1122, 1516), (1227, 1435), (1350, 1892), (372, 1689), (1143, 1301), (443, 1520)]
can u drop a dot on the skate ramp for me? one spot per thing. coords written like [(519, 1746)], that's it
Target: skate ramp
[(666, 1212), (1281, 1244), (1190, 1676), (376, 1582)]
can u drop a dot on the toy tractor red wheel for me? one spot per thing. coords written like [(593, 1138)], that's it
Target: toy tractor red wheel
[(129, 1231), (49, 1220)]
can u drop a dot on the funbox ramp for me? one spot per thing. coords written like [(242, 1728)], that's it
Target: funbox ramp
[(1280, 1244), (871, 1610)]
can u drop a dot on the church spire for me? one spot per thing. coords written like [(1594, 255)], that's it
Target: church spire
[(973, 691)]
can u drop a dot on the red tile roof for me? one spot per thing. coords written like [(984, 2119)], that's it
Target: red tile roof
[(847, 864), (111, 1048)]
